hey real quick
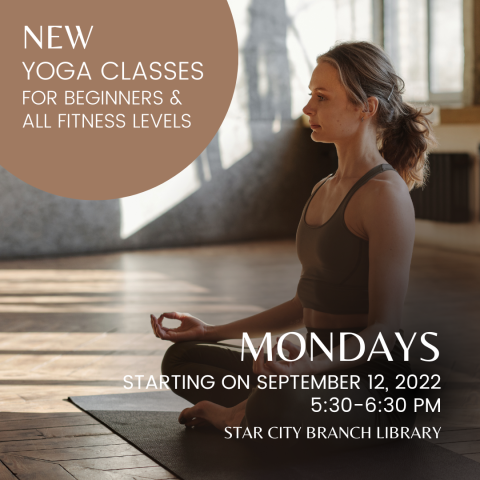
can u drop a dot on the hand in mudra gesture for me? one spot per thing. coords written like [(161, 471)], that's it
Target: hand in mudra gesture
[(302, 365), (191, 328)]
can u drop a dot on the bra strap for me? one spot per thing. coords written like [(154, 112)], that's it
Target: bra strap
[(323, 183), (370, 174)]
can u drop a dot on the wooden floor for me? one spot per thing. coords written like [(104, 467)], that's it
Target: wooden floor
[(78, 325)]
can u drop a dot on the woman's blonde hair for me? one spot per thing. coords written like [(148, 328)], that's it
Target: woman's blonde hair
[(404, 133)]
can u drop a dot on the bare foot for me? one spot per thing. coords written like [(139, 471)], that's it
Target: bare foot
[(208, 413)]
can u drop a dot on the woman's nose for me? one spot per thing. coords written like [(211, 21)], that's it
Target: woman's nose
[(307, 110)]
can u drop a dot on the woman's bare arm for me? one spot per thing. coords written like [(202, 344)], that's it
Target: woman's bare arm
[(285, 317), (389, 222)]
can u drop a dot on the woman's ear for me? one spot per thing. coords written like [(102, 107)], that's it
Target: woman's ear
[(371, 107)]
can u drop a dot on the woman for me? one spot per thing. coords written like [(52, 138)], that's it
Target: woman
[(354, 240)]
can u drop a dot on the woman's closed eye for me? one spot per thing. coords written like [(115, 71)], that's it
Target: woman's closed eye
[(319, 96)]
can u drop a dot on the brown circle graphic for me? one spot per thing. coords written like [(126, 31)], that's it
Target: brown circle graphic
[(106, 99)]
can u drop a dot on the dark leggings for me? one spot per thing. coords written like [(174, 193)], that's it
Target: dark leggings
[(291, 406)]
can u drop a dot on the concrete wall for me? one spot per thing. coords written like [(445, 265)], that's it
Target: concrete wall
[(260, 196), (251, 181)]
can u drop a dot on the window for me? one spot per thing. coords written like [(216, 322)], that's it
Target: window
[(313, 27), (424, 39)]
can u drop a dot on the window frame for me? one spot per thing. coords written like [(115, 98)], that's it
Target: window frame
[(442, 98)]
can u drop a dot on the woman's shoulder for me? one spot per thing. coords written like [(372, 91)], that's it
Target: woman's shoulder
[(388, 184), (387, 193)]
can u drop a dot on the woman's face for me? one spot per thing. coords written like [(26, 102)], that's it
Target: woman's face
[(332, 116)]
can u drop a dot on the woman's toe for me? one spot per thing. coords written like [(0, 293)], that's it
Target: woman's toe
[(196, 422), (185, 415)]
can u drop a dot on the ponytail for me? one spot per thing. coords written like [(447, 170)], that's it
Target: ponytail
[(404, 144)]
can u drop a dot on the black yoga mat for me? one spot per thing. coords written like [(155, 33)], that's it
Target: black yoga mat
[(149, 422)]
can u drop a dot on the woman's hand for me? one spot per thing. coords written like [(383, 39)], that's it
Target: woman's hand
[(191, 328), (301, 366)]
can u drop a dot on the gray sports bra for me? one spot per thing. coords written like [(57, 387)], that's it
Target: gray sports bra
[(335, 261)]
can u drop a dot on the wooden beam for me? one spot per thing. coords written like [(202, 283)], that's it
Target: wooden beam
[(123, 450), (5, 473), (28, 469), (80, 419), (469, 114), (58, 444), (476, 46), (110, 463)]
